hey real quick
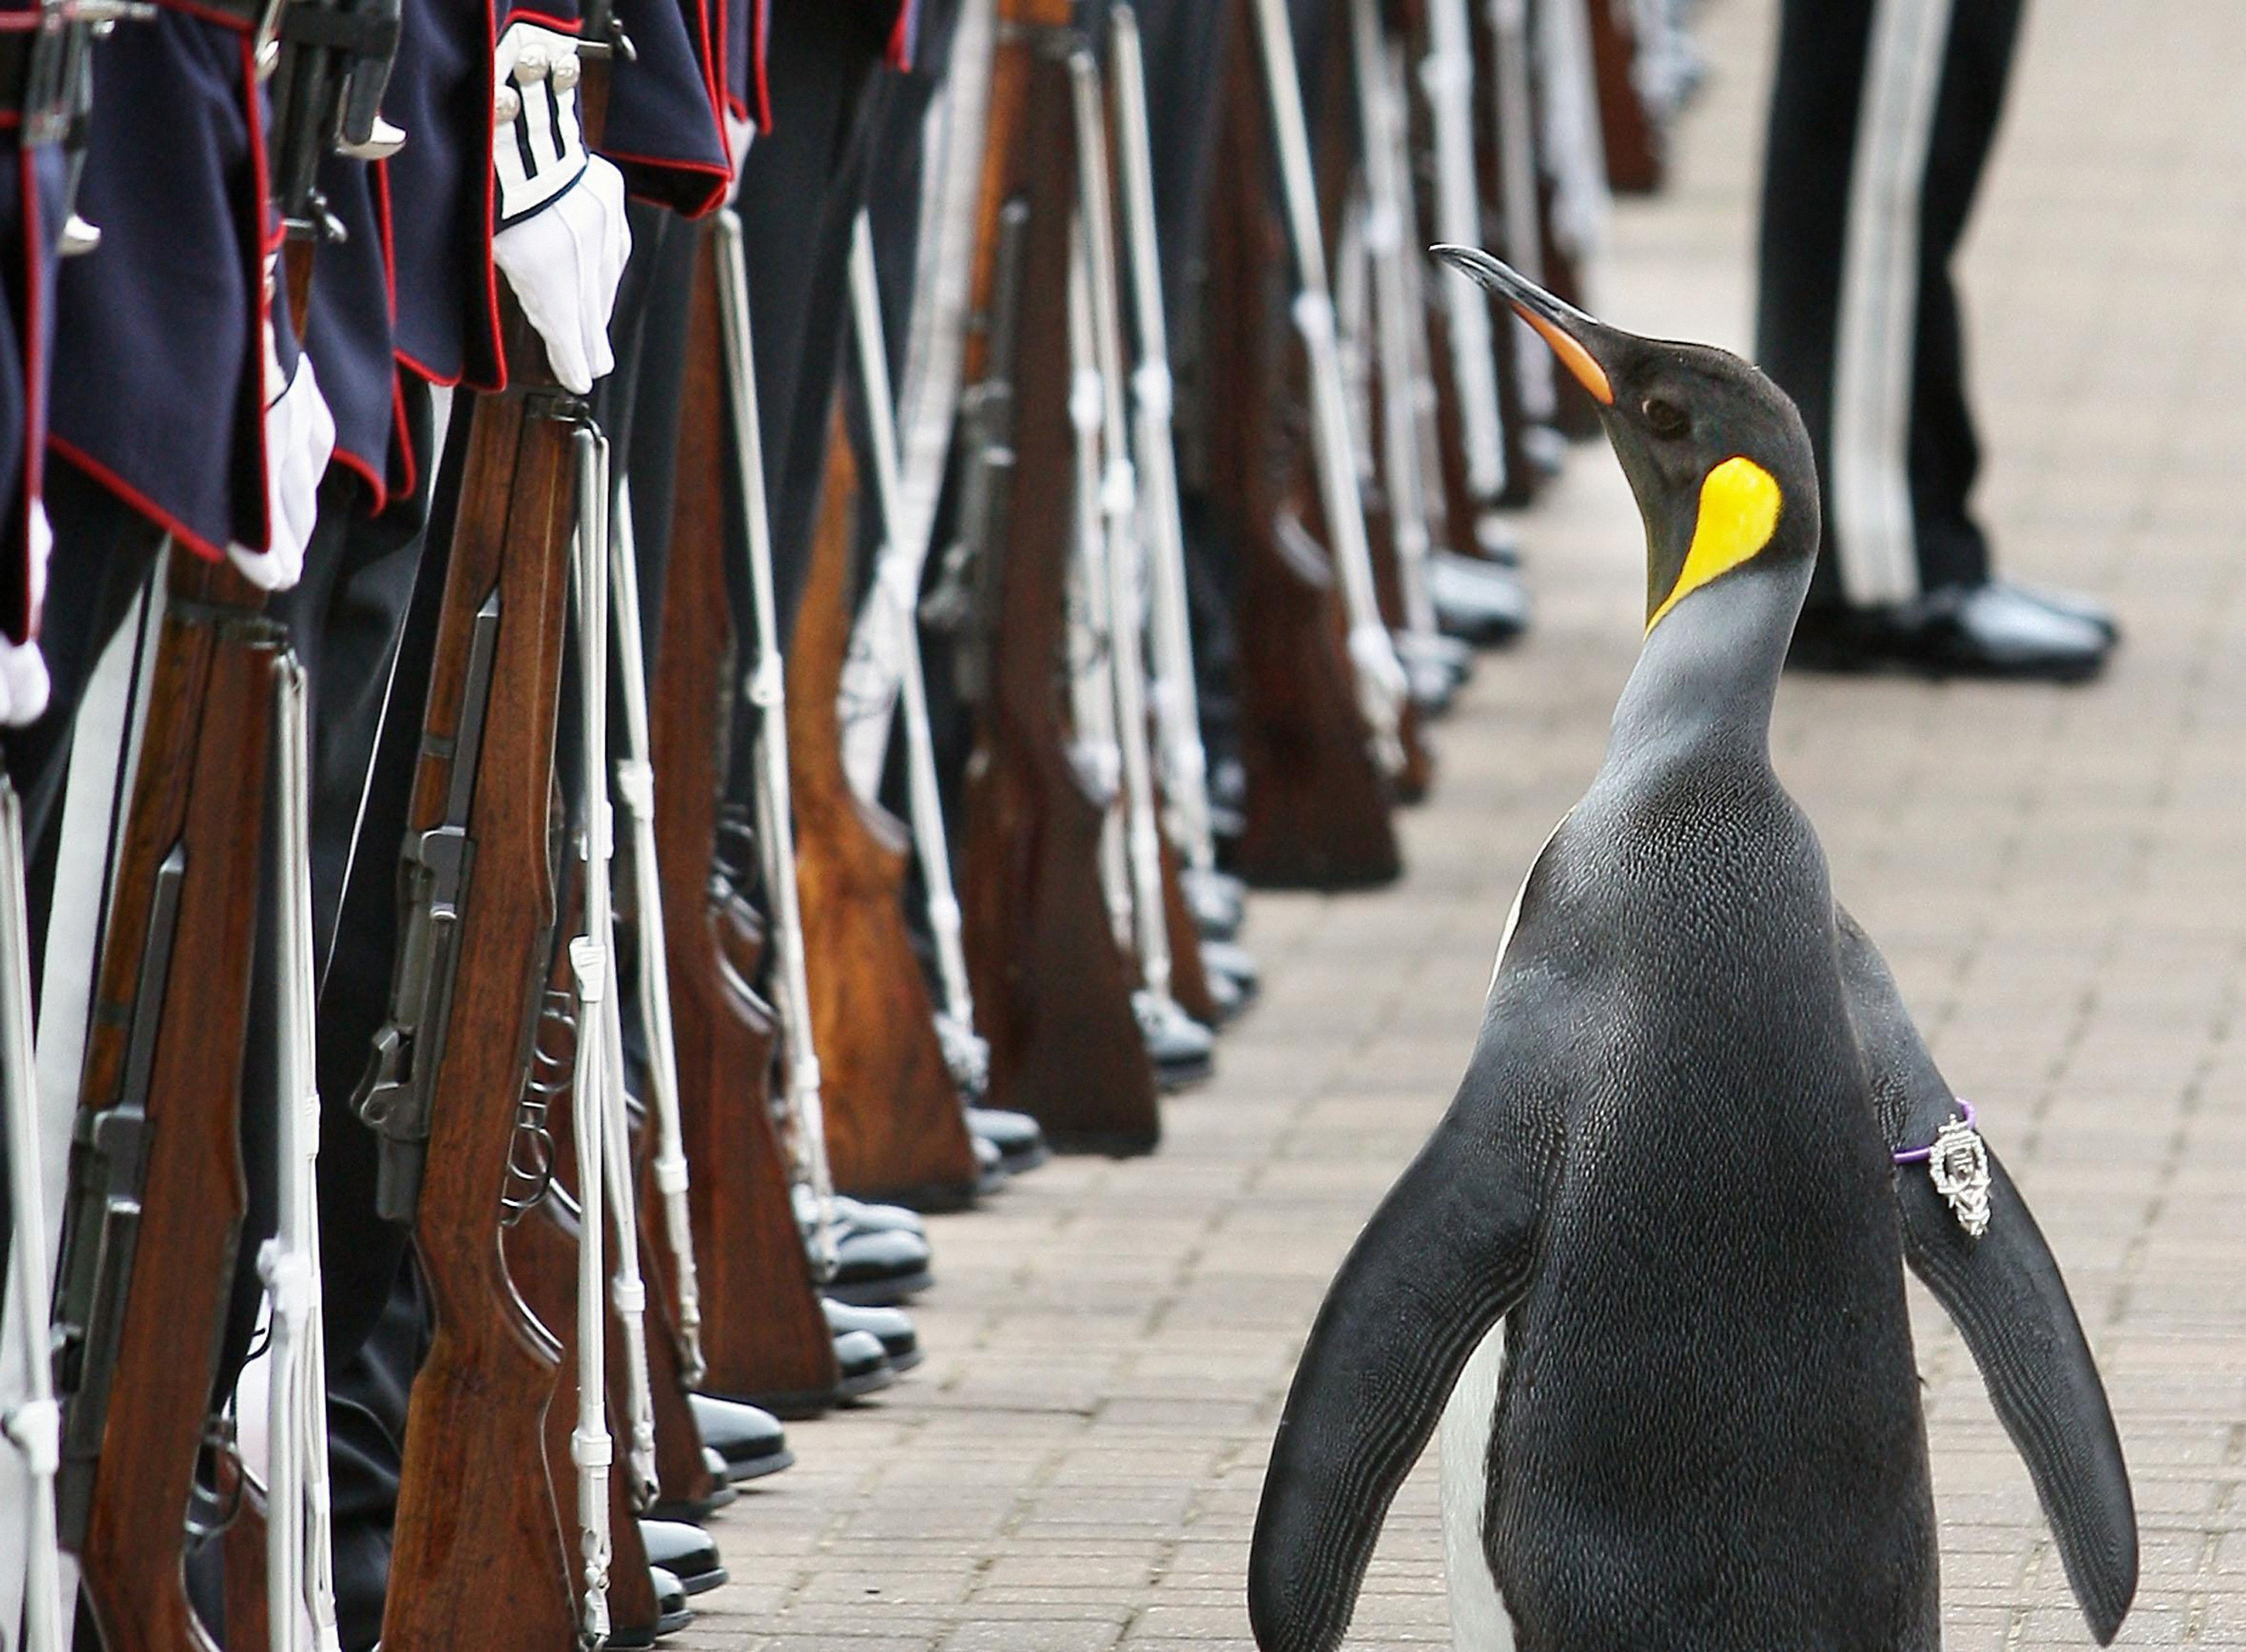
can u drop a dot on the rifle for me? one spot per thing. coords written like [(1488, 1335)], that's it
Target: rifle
[(801, 1104), (330, 61), (476, 889), (156, 1183), (1399, 527), (1375, 672), (895, 1126), (1125, 566), (1174, 691), (884, 648), (763, 1337), (1319, 804), (1052, 989)]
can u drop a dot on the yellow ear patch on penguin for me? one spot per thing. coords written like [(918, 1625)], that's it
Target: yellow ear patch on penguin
[(1738, 513)]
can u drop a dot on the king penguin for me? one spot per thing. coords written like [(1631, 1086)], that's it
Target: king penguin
[(1674, 1176)]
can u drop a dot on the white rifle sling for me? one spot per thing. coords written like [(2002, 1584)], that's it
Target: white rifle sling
[(1514, 114), (1097, 758), (1119, 501), (31, 1422), (635, 785), (1390, 240), (1175, 696), (590, 1448)]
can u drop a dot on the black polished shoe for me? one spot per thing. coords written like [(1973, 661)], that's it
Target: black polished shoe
[(1183, 1051), (1992, 631), (1217, 901), (1225, 998), (879, 1268), (671, 1615), (683, 1551), (1477, 601), (989, 1165), (864, 1368), (856, 1216), (1430, 689), (2073, 604), (694, 1511), (748, 1439), (1235, 965), (887, 1326), (1018, 1141)]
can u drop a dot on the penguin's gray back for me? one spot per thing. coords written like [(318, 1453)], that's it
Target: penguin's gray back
[(1708, 1435)]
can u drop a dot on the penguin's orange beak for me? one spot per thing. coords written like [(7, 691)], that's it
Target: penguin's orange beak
[(1560, 323)]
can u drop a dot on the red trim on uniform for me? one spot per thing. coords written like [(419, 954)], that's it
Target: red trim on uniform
[(759, 55), (900, 52), (712, 63), (377, 484), (422, 370), (232, 22), (130, 495), (252, 110), (704, 205), (543, 20), (401, 443)]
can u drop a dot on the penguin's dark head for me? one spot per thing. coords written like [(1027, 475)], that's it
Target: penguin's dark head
[(1716, 453)]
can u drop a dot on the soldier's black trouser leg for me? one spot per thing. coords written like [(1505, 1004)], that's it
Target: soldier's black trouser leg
[(1881, 124)]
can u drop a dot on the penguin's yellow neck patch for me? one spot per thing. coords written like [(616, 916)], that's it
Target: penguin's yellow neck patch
[(1738, 513)]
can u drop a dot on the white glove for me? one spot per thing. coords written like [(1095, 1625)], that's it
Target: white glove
[(300, 438), (560, 238), (23, 668), (739, 133)]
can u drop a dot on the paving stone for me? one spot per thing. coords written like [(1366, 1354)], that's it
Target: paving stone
[(2058, 877)]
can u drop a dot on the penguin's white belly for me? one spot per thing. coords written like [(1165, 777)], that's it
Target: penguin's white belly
[(1478, 1620)]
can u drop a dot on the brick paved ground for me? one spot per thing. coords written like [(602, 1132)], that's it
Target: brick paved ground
[(2059, 878)]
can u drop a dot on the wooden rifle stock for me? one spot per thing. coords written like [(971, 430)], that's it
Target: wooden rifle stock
[(249, 1611), (1052, 990), (1188, 976), (680, 1467), (895, 1128), (763, 1337), (1636, 146), (157, 1185), (1317, 812), (476, 1499)]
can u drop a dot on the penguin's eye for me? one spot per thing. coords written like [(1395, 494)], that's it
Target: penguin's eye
[(1665, 419)]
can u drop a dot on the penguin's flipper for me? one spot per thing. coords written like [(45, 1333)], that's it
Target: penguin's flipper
[(2003, 1292), (1446, 1254)]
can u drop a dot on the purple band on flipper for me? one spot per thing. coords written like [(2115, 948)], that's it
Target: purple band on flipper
[(1920, 1155)]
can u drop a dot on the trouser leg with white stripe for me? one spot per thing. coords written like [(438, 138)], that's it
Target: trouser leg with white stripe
[(1881, 121)]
